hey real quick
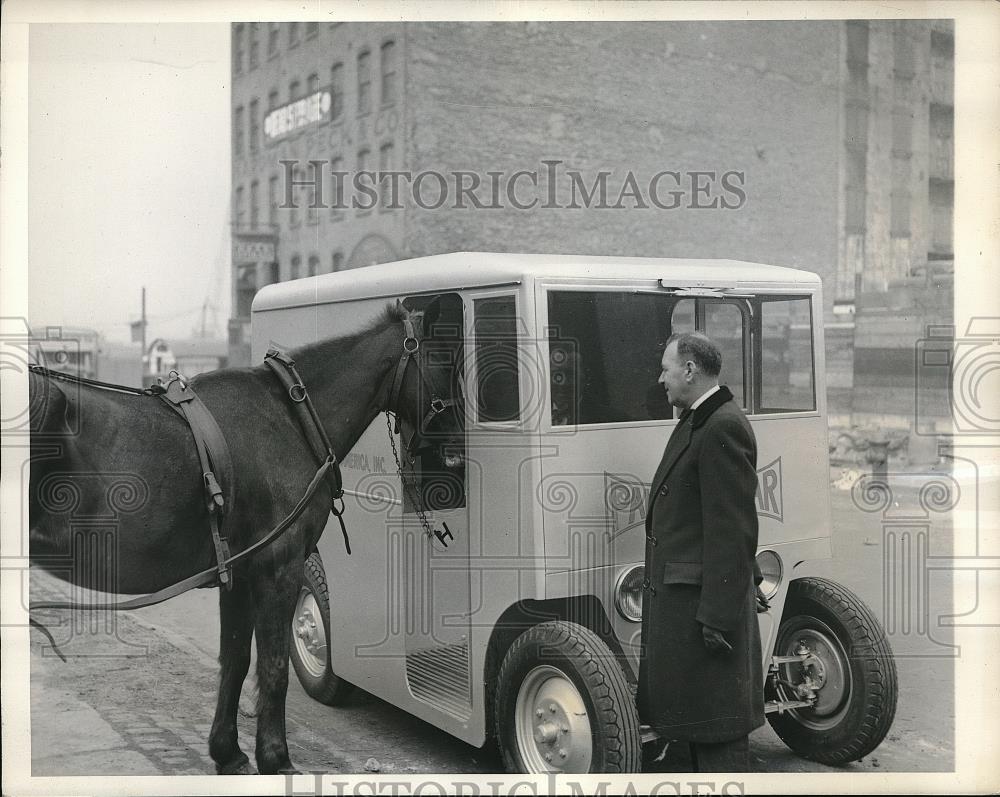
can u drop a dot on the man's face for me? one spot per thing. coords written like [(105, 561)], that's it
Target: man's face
[(673, 377)]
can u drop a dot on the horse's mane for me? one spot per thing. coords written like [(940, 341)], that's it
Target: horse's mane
[(391, 314)]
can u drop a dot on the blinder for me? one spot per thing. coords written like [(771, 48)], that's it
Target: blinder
[(437, 406)]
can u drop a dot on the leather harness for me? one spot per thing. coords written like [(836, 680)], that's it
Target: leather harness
[(217, 466)]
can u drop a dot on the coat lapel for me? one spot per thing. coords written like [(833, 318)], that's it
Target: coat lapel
[(676, 445), (681, 438)]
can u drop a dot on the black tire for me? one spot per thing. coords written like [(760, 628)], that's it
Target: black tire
[(555, 666), (309, 650), (851, 719)]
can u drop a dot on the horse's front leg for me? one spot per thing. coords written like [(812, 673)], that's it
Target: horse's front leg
[(275, 595), (235, 636)]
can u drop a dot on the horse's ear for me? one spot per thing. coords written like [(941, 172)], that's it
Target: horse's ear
[(431, 314), (400, 308)]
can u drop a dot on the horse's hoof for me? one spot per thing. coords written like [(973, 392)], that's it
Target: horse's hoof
[(241, 766)]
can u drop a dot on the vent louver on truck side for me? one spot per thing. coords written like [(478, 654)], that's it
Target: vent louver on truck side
[(440, 676)]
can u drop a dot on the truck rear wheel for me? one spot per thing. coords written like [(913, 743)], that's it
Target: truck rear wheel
[(854, 671), (310, 649), (563, 704)]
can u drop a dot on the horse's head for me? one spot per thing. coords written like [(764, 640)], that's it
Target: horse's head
[(426, 393)]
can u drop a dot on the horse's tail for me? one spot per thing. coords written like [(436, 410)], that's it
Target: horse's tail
[(51, 421), (48, 635)]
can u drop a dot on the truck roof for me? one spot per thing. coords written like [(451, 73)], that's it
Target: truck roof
[(458, 270)]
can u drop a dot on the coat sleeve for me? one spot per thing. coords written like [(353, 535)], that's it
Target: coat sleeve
[(728, 481)]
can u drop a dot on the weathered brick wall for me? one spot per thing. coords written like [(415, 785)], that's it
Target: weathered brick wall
[(639, 96)]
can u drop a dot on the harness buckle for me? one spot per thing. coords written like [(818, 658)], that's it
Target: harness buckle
[(297, 392), (215, 500)]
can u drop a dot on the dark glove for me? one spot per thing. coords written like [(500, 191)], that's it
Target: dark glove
[(714, 640), (763, 604)]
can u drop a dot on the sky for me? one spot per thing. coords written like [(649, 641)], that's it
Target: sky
[(129, 169)]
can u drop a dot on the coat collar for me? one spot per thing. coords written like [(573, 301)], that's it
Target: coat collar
[(707, 407)]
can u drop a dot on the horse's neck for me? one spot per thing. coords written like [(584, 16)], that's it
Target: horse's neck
[(347, 381)]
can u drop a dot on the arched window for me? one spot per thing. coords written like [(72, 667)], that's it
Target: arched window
[(336, 90), (364, 81), (389, 67), (294, 267), (337, 261), (254, 204), (238, 33), (238, 131), (239, 209), (313, 265)]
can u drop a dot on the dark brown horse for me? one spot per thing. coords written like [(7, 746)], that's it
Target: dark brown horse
[(93, 448)]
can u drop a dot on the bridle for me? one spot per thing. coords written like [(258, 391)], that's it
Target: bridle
[(437, 405)]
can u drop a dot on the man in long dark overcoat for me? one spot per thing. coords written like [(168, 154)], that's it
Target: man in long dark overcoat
[(700, 677)]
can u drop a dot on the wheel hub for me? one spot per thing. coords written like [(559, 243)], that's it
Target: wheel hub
[(552, 726), (310, 636), (824, 674)]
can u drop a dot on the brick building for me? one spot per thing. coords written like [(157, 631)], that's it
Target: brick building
[(818, 145)]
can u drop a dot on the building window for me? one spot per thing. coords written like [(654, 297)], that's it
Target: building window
[(293, 211), (313, 268), (312, 83), (364, 81), (337, 187), (272, 99), (238, 131), (239, 212), (272, 200), (385, 164), (903, 66), (312, 29), (254, 205), (273, 32), (855, 191), (238, 34), (294, 267), (254, 44), (364, 165), (293, 34), (293, 91), (275, 269), (337, 261), (336, 90), (388, 63), (254, 125)]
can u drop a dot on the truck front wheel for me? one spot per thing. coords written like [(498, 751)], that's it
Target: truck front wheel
[(851, 670), (564, 705), (310, 649)]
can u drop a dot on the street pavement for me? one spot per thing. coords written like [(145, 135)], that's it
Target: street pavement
[(138, 697)]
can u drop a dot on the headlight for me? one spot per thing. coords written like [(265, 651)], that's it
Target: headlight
[(628, 593), (770, 567)]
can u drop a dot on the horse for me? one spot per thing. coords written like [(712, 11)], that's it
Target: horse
[(92, 448)]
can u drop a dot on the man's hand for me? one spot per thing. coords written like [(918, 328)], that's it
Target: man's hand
[(714, 640)]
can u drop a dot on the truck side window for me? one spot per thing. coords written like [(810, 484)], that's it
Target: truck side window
[(604, 356), (787, 380), (434, 485), (498, 395), (724, 325)]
